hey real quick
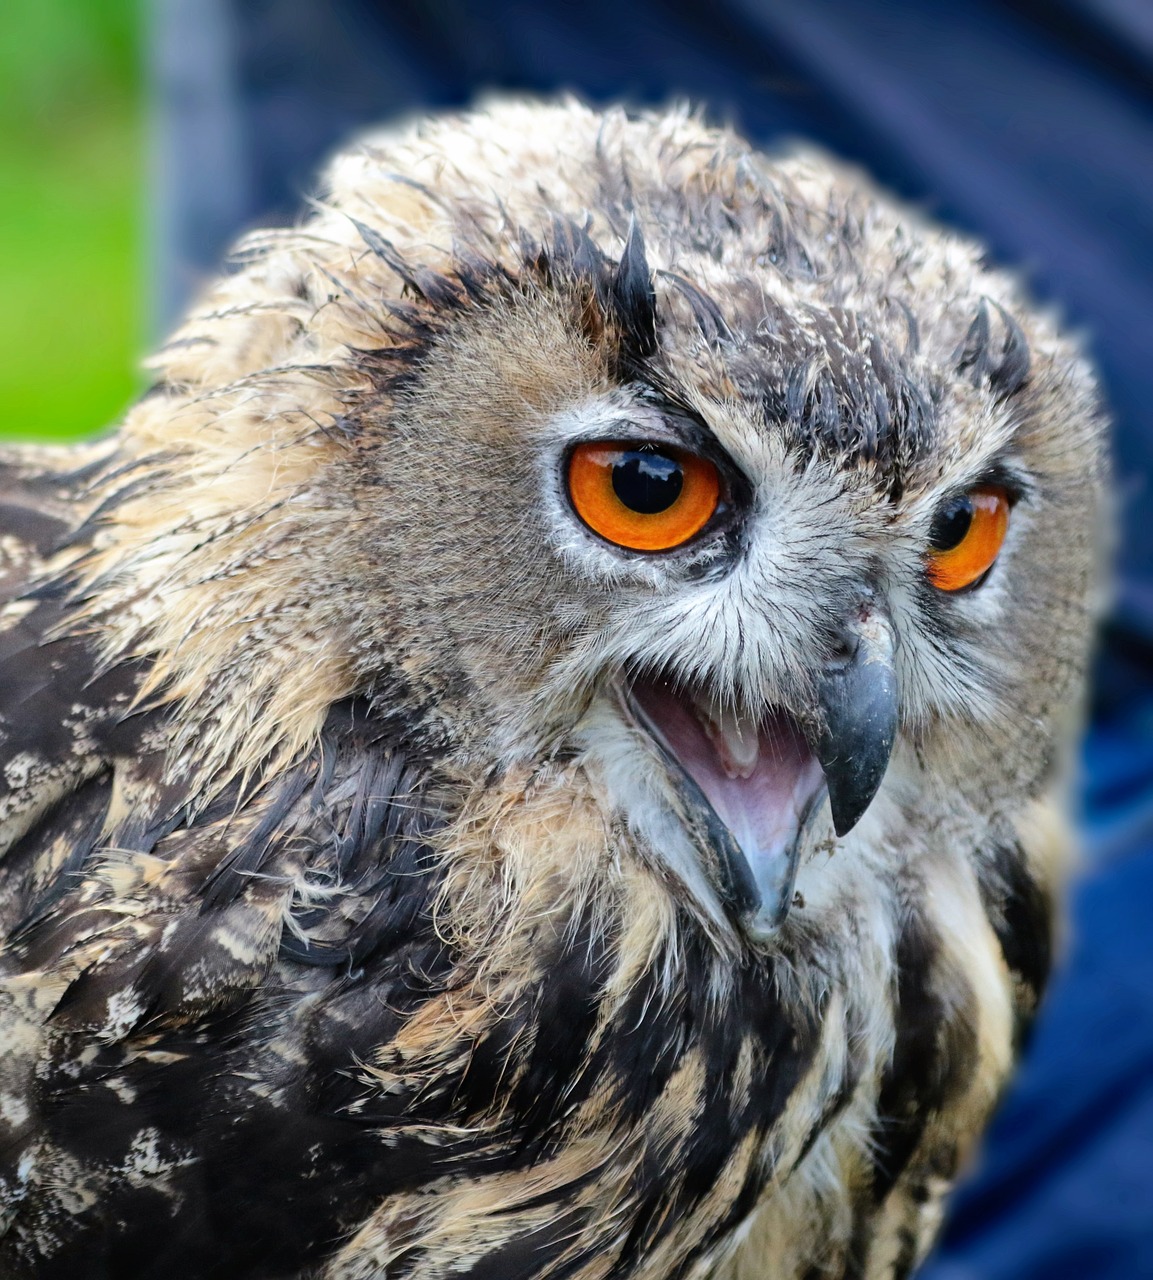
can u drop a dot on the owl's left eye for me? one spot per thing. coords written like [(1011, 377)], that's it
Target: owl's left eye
[(643, 497), (966, 536)]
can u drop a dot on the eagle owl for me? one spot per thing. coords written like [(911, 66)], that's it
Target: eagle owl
[(535, 750)]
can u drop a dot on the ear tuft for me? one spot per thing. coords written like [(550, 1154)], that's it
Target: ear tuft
[(1002, 361), (633, 296)]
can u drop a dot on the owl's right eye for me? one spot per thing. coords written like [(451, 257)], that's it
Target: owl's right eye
[(643, 497)]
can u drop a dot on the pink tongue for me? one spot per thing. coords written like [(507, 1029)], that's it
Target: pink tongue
[(763, 808)]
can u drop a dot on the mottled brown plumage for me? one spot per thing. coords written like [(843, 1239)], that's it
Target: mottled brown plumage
[(360, 919)]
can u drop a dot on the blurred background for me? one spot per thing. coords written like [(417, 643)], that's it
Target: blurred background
[(71, 215), (138, 137)]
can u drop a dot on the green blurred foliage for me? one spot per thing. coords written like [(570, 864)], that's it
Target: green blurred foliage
[(71, 214)]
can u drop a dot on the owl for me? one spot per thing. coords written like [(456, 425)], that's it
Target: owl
[(535, 752)]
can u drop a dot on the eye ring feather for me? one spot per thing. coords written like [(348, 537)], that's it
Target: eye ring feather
[(966, 538), (642, 496)]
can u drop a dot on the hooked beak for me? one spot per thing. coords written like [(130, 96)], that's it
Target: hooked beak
[(749, 791), (857, 698)]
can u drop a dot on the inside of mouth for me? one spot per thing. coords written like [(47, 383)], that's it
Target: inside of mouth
[(758, 774)]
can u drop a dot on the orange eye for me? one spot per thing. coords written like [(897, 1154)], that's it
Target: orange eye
[(644, 497), (966, 536)]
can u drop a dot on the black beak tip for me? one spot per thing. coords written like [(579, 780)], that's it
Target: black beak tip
[(853, 783), (843, 823), (846, 815)]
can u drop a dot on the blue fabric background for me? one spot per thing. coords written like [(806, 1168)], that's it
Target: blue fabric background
[(1028, 122)]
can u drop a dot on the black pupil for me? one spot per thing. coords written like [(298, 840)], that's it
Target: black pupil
[(647, 483), (951, 524)]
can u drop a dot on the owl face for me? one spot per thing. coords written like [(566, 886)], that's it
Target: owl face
[(762, 577), (747, 702)]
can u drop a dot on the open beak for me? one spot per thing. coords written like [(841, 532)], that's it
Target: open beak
[(749, 788)]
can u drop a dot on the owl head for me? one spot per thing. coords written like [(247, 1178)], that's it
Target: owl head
[(607, 443)]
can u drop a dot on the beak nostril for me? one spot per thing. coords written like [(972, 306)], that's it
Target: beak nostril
[(843, 650)]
